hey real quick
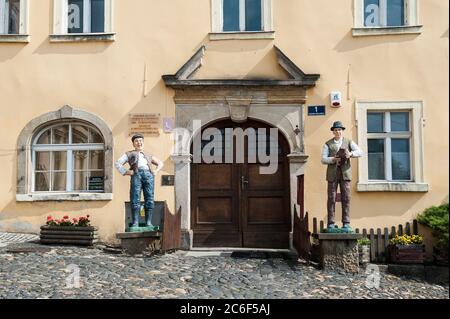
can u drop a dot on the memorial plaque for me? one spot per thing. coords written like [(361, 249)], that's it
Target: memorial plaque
[(145, 123)]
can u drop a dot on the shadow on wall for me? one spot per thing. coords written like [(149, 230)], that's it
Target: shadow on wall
[(10, 50), (393, 204), (260, 70), (72, 48), (351, 43)]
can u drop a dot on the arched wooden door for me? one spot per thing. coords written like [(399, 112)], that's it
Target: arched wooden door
[(233, 205)]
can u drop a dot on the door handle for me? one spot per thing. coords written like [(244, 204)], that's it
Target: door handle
[(243, 182)]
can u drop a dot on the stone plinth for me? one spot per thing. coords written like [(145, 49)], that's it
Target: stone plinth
[(137, 242), (338, 251)]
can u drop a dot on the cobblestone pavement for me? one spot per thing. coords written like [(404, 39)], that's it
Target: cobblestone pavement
[(9, 238), (49, 272)]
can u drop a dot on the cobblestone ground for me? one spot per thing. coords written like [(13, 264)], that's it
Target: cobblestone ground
[(47, 272), (9, 238)]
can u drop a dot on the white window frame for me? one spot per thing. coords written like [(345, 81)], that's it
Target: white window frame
[(69, 148), (60, 25), (23, 23), (411, 24), (415, 109), (217, 32)]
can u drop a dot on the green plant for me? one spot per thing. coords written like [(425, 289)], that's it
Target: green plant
[(436, 217), (406, 240), (364, 241)]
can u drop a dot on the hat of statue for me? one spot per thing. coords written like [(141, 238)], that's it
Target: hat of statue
[(337, 124), (135, 136)]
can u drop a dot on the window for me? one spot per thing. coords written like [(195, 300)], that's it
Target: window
[(253, 17), (13, 20), (86, 16), (68, 157), (81, 20), (388, 146), (385, 17), (10, 16), (390, 134), (242, 15), (381, 13)]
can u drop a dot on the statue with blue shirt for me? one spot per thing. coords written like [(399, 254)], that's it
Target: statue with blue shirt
[(142, 179), (336, 154)]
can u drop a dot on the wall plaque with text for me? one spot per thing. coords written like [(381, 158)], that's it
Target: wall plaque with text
[(145, 123)]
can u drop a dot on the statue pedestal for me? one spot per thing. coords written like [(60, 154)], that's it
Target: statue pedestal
[(338, 251), (137, 242)]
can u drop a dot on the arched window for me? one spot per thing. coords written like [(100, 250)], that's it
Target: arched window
[(68, 157)]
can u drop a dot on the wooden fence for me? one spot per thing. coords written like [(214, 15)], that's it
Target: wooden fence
[(379, 238), (302, 235)]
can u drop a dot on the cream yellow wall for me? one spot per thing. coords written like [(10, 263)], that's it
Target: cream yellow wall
[(107, 79)]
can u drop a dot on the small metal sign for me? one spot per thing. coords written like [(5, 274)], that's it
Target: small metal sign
[(168, 180), (168, 124), (96, 183), (315, 110)]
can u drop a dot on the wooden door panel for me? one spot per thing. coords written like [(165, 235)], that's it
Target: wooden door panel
[(217, 239), (265, 211), (265, 181), (213, 210), (266, 239), (215, 177)]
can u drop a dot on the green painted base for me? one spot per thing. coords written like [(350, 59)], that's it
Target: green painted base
[(142, 229), (337, 230)]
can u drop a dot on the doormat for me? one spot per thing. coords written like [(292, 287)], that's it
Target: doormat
[(259, 255)]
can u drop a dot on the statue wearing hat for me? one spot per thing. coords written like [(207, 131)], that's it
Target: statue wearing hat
[(336, 154), (141, 179)]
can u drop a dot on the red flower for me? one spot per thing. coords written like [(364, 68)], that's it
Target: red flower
[(66, 217), (87, 216), (75, 220), (49, 218)]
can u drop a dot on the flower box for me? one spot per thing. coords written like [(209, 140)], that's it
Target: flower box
[(75, 231), (406, 254), (73, 235)]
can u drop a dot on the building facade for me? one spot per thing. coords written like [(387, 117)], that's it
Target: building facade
[(74, 72)]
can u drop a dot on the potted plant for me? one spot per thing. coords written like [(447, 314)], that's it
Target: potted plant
[(406, 249), (436, 217), (75, 231), (364, 250)]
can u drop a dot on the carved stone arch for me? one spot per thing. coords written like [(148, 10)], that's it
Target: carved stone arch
[(284, 128), (35, 125)]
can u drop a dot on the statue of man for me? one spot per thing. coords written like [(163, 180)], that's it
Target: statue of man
[(142, 178), (336, 154)]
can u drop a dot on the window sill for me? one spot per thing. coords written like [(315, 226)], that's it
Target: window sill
[(363, 31), (63, 197), (257, 35), (15, 38), (392, 187), (83, 37)]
